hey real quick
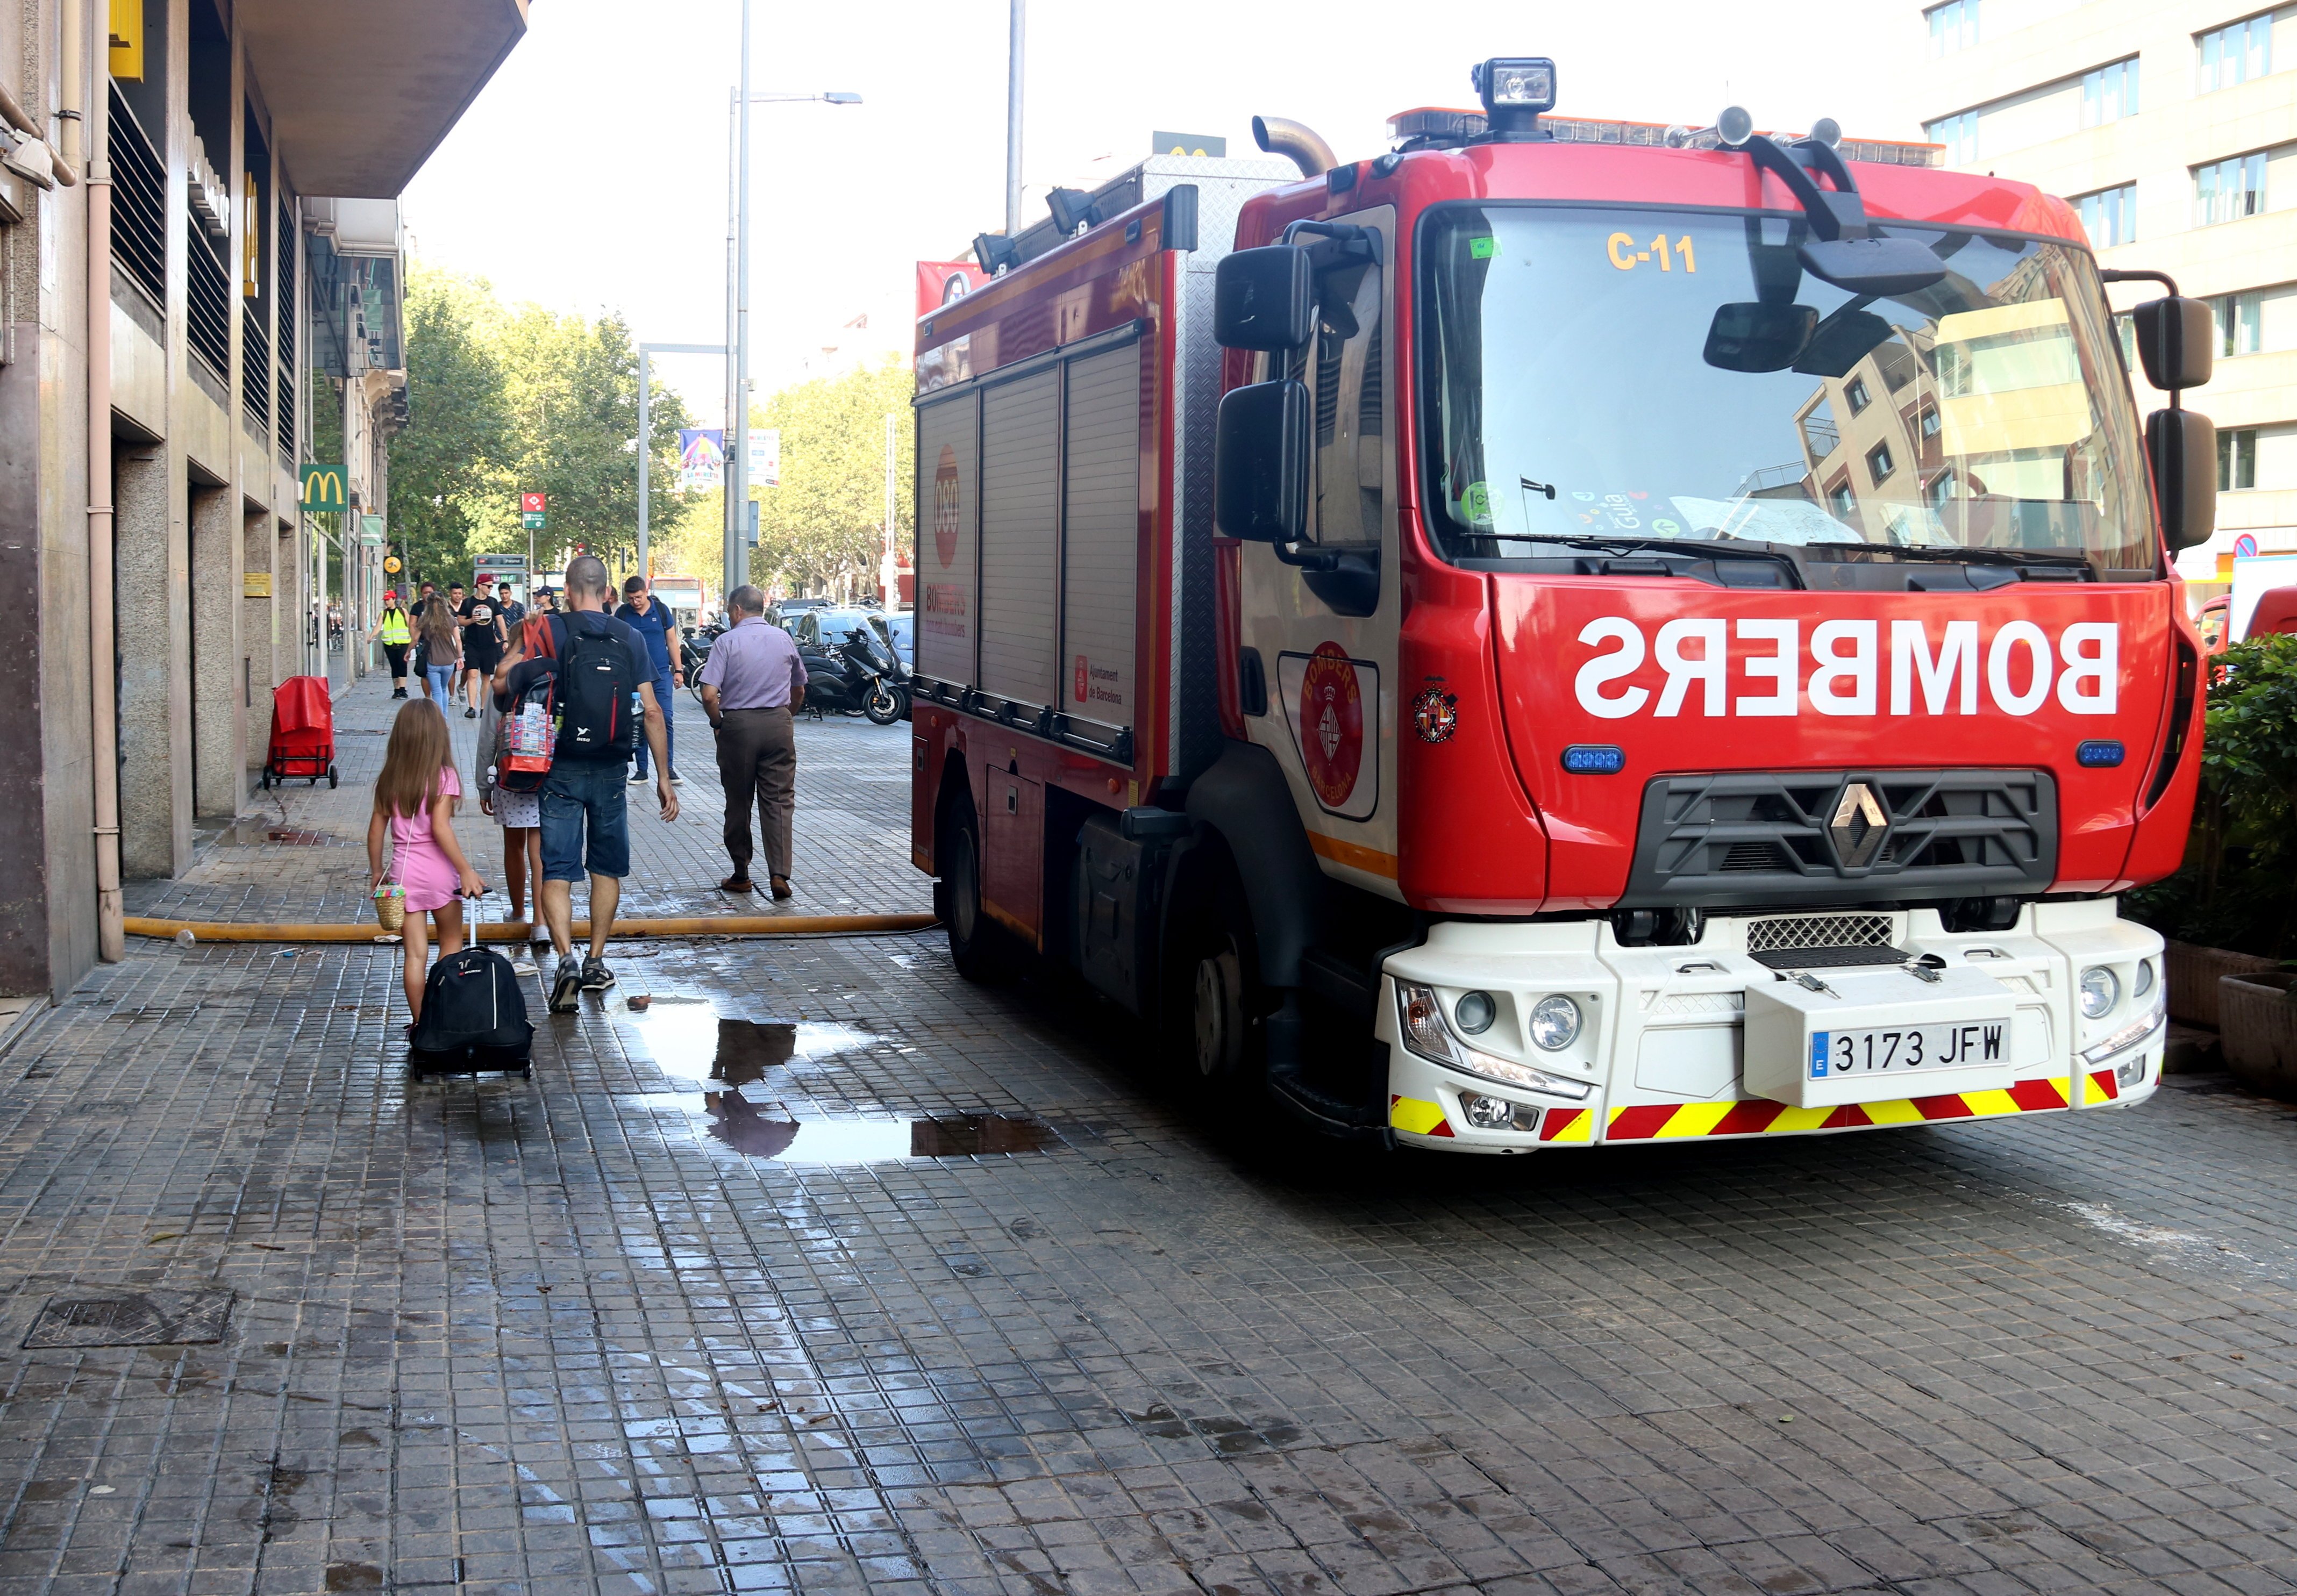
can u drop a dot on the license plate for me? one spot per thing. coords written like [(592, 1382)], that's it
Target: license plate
[(1899, 1049)]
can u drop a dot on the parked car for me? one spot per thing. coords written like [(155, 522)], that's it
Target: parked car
[(901, 635)]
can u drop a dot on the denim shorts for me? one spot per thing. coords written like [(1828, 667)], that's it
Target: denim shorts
[(581, 796)]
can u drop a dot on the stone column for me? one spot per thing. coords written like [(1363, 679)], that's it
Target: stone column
[(155, 699), (219, 694)]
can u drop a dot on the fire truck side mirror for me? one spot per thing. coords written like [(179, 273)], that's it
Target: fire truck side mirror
[(1260, 463), (2177, 339), (2183, 449), (1264, 298)]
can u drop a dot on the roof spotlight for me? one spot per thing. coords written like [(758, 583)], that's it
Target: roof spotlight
[(1735, 126), (1073, 209), (996, 252), (1514, 93)]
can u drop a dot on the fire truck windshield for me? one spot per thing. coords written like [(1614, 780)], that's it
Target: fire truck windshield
[(1655, 374)]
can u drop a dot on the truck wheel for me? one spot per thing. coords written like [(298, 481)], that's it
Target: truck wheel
[(1218, 1027), (975, 946)]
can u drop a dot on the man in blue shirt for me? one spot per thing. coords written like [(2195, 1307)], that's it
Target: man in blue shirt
[(657, 625)]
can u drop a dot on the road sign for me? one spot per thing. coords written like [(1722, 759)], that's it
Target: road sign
[(323, 488), (391, 565), (503, 568), (766, 457), (534, 521), (533, 503), (2244, 547)]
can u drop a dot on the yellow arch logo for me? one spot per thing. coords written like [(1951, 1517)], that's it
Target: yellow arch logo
[(323, 489)]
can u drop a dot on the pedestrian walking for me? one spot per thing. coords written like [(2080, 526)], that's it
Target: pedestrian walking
[(658, 626), (442, 651), (483, 642), (603, 670), (395, 635), (520, 816), (508, 605), (751, 684), (411, 839)]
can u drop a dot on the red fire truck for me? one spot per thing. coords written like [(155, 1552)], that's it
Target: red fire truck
[(1568, 632)]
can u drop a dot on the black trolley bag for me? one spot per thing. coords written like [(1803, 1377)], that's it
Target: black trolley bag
[(473, 1017)]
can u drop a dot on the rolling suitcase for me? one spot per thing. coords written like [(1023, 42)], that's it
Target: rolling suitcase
[(473, 1017)]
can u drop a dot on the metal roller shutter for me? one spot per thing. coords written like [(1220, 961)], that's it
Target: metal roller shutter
[(1020, 499), (947, 464), (1102, 575)]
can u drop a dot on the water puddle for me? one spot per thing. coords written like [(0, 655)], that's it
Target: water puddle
[(691, 1041), (761, 1130)]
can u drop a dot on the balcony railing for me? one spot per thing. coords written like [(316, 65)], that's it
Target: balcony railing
[(255, 369), (139, 205), (207, 300), (285, 290)]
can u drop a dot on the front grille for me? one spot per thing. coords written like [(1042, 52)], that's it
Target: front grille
[(1818, 931), (1764, 838)]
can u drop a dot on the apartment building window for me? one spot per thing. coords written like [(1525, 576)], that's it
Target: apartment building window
[(2236, 458), (1845, 504), (1958, 134), (1878, 463), (1930, 423), (2110, 216), (2234, 53), (2241, 319), (1953, 25), (1857, 396), (2109, 93), (2225, 191)]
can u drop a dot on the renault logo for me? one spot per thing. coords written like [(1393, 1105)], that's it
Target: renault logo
[(1859, 826)]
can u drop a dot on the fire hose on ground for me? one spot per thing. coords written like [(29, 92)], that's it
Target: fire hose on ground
[(522, 930)]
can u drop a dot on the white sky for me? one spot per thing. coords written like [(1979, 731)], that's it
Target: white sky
[(591, 173)]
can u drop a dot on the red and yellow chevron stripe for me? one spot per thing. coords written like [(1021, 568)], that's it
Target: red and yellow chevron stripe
[(1760, 1116)]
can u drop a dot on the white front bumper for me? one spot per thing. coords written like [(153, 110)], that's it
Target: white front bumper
[(1660, 1050)]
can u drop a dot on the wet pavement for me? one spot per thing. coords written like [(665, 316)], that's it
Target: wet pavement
[(826, 1271)]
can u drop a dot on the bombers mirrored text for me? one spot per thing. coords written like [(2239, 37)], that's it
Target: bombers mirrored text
[(1760, 667)]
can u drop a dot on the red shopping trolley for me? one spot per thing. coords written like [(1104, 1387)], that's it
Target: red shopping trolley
[(302, 732)]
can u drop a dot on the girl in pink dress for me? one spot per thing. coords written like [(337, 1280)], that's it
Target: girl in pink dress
[(411, 837)]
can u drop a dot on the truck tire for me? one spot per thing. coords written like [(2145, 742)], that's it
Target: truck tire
[(977, 946), (1215, 1000)]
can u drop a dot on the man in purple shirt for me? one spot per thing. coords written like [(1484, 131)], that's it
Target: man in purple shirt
[(751, 683)]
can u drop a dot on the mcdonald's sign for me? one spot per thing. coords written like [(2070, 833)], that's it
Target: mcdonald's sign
[(323, 488)]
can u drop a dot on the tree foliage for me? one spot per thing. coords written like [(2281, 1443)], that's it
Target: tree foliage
[(504, 401), (823, 528), (2233, 889)]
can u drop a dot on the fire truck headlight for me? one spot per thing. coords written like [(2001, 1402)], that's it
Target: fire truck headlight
[(1497, 1114), (1423, 1023), (1475, 1012), (2144, 983), (1554, 1023), (2100, 990)]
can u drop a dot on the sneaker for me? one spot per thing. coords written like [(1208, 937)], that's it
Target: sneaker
[(566, 986), (677, 780), (596, 976), (470, 714), (539, 934), (638, 778)]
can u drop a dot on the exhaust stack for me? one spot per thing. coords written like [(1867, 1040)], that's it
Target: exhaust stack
[(1296, 141)]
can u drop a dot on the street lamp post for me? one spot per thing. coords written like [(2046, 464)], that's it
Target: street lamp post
[(737, 336)]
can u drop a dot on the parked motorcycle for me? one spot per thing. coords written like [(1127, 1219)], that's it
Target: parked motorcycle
[(834, 681), (889, 678), (693, 647)]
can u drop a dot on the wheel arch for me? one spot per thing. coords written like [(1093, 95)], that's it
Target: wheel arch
[(1244, 800)]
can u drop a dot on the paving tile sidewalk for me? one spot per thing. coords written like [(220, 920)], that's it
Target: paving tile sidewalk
[(851, 839)]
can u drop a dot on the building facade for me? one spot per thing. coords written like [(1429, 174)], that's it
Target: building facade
[(2171, 126), (199, 255)]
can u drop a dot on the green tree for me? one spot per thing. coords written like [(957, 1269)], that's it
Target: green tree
[(824, 525), (447, 465)]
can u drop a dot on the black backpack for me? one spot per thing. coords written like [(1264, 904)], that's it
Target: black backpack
[(597, 682), (473, 1015)]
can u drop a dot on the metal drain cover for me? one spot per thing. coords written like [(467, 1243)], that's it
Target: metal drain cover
[(131, 1318)]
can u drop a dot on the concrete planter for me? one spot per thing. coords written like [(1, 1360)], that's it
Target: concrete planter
[(2193, 975), (2258, 1023)]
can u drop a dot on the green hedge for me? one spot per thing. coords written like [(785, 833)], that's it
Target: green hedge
[(2235, 888)]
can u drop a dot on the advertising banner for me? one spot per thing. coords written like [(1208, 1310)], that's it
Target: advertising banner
[(766, 457), (940, 282), (700, 458)]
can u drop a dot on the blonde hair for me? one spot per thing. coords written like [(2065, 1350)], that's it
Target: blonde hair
[(419, 749)]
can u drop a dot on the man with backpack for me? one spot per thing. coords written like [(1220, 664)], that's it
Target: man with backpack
[(597, 680)]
